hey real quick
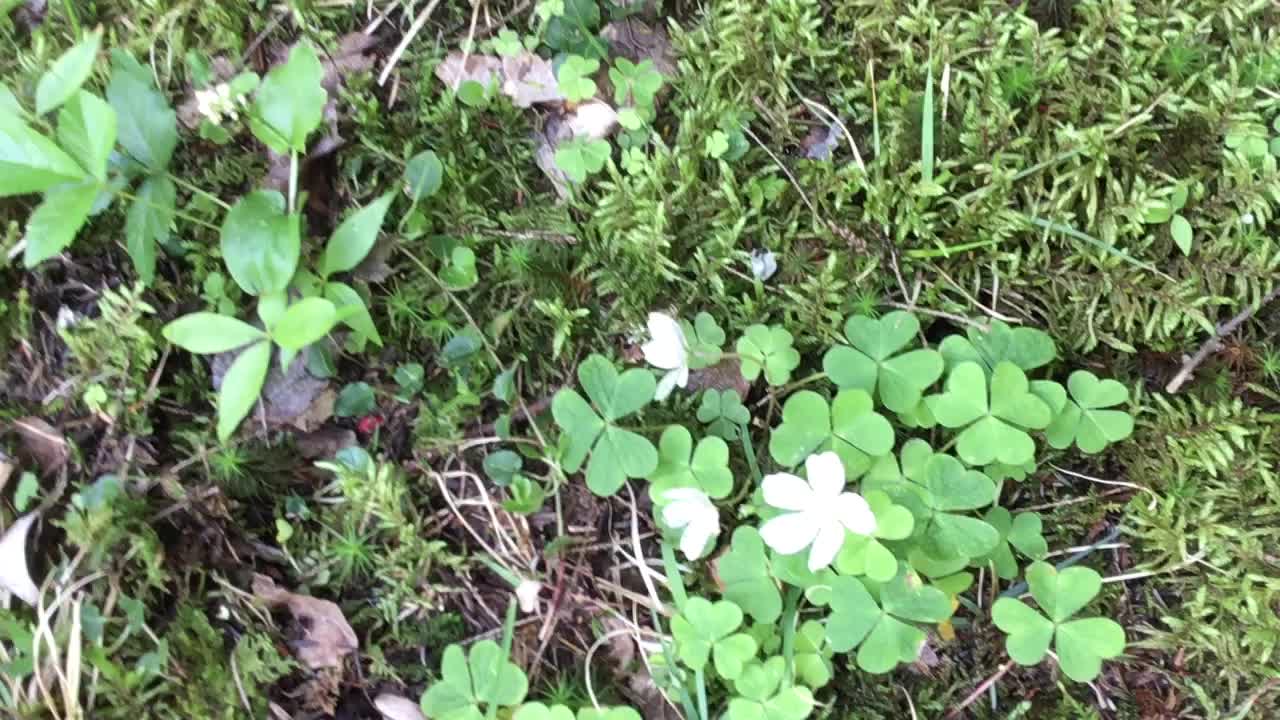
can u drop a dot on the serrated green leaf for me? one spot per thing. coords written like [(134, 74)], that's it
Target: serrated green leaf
[(57, 219), (30, 162), (67, 74), (87, 130), (148, 125), (147, 223)]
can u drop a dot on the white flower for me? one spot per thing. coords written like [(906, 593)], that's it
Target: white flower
[(527, 595), (14, 576), (216, 102), (668, 351), (763, 264), (820, 514), (692, 510)]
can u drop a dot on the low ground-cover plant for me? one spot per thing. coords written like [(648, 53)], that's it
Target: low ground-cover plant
[(861, 525)]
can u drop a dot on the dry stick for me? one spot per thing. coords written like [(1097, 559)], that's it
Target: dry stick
[(977, 692), (414, 29), (1214, 343)]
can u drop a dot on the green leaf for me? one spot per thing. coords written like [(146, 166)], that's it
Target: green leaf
[(1180, 229), (926, 130), (305, 322), (423, 175), (574, 77), (1082, 645), (744, 572), (581, 157), (502, 466), (147, 223), (870, 362), (206, 333), (762, 698), (30, 162), (452, 697), (9, 102), (355, 400), (1030, 633), (806, 425), (768, 350), (67, 74), (460, 273), (618, 455), (241, 386), (616, 395), (1086, 419), (1028, 348), (581, 426), (290, 102), (849, 427), (702, 625), (812, 655), (358, 318), (723, 412), (862, 555), (680, 465), (1023, 533), (994, 427), (538, 711), (87, 130), (883, 639), (1062, 594), (260, 243), (354, 238), (57, 219), (497, 680), (148, 125)]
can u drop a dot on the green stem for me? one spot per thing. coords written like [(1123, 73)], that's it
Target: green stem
[(701, 680), (675, 583), (197, 191), (790, 610), (176, 213), (71, 16), (508, 633), (947, 251), (744, 432)]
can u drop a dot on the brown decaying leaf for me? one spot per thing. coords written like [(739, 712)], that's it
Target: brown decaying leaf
[(457, 68), (324, 443), (526, 78), (327, 638), (43, 442), (294, 397), (636, 41), (724, 375), (398, 707)]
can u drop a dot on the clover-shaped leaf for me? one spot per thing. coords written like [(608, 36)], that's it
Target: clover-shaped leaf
[(681, 465), (743, 571), (995, 423), (883, 632), (849, 426), (486, 678), (1023, 533), (865, 554), (1081, 645), (639, 80), (723, 412), (874, 362), (762, 698), (608, 713), (705, 339), (1085, 418), (1026, 347), (768, 350), (574, 77), (581, 157), (813, 655), (705, 630), (616, 454), (538, 711)]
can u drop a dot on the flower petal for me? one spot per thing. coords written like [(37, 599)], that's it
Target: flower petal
[(667, 384), (826, 475), (787, 492), (666, 348), (826, 546), (697, 536), (854, 513), (789, 533)]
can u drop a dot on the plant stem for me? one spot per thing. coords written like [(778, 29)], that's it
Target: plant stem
[(701, 680), (71, 16), (176, 213), (675, 583), (790, 609), (508, 633), (293, 181), (197, 191), (744, 432)]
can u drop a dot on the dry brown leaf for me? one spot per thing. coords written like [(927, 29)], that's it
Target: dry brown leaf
[(14, 575), (398, 707), (529, 79), (43, 442), (294, 397), (457, 68), (724, 375), (324, 443), (327, 636), (636, 41)]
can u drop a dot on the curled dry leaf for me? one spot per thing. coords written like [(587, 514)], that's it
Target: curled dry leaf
[(14, 575), (398, 707), (529, 79), (636, 41), (458, 67), (327, 636), (43, 442), (294, 397), (594, 120)]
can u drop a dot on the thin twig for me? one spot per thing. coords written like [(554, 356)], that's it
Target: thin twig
[(414, 29), (938, 313), (977, 693), (1214, 344)]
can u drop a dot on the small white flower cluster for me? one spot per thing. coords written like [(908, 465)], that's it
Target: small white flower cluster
[(818, 510), (216, 103)]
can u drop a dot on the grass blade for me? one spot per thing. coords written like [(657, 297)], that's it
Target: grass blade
[(1076, 234), (926, 131)]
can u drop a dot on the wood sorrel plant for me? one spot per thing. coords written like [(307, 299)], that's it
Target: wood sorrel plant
[(859, 517)]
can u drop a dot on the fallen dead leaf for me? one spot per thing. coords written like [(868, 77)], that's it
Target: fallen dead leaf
[(398, 707), (14, 575), (6, 470), (375, 267), (325, 442), (595, 120), (529, 79), (724, 375), (351, 56), (43, 442), (457, 68), (295, 397), (327, 636), (636, 41)]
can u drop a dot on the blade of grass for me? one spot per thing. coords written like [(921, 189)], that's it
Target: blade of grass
[(875, 108), (1071, 232), (926, 131)]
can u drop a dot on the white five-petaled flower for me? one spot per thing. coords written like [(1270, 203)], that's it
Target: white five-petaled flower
[(691, 509), (216, 102), (667, 350), (819, 511)]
